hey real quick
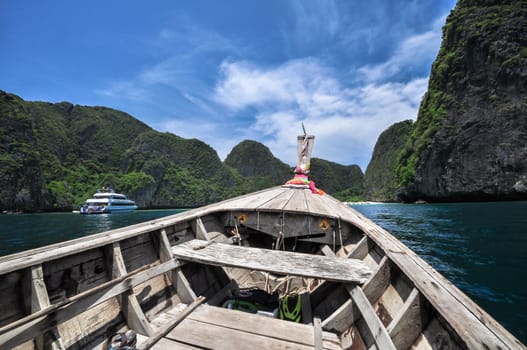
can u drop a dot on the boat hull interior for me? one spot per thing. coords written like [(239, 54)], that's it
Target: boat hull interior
[(169, 281)]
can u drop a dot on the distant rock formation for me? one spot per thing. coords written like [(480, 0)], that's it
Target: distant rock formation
[(469, 142), (342, 181), (254, 159), (379, 183)]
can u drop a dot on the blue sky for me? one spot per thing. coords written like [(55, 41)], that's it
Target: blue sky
[(226, 71)]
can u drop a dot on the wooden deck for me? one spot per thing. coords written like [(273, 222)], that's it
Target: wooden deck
[(210, 327)]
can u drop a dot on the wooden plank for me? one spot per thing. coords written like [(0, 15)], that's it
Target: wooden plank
[(199, 230), (360, 250), (298, 202), (318, 205), (249, 201), (176, 276), (173, 323), (24, 329), (291, 332), (380, 335), (134, 315), (340, 320), (211, 336), (251, 326), (410, 322), (435, 336), (276, 203), (317, 330), (39, 301), (39, 255), (379, 281), (279, 262)]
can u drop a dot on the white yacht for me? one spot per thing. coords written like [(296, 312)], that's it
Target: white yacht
[(107, 201)]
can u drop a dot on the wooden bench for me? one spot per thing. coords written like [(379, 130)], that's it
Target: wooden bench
[(351, 271)]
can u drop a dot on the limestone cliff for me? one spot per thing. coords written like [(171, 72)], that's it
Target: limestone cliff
[(470, 138), (379, 184), (255, 160), (345, 182)]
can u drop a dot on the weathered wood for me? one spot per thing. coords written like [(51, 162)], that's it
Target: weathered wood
[(298, 202), (317, 330), (199, 229), (361, 249), (340, 320), (435, 336), (317, 205), (252, 201), (211, 336), (39, 301), (278, 202), (24, 329), (155, 337), (410, 322), (380, 280), (134, 315), (246, 329), (280, 262), (379, 333), (178, 279), (464, 319)]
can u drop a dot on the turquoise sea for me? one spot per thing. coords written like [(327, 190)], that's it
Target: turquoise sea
[(480, 247)]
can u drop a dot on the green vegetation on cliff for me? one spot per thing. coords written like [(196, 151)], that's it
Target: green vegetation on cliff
[(379, 180), (345, 182), (256, 162), (467, 142), (54, 156)]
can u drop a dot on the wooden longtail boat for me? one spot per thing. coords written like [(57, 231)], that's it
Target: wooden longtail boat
[(168, 280)]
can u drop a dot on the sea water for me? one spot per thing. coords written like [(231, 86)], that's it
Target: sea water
[(19, 232), (480, 247)]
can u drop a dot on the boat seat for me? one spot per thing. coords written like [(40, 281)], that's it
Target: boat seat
[(352, 271)]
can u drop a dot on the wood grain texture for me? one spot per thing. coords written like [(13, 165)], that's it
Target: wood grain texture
[(280, 262)]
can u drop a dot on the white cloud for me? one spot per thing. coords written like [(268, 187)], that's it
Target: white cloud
[(346, 121), (413, 53), (244, 84)]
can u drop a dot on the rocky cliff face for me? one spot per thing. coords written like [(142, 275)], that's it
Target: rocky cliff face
[(256, 162), (379, 184), (470, 139), (345, 182), (253, 159)]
